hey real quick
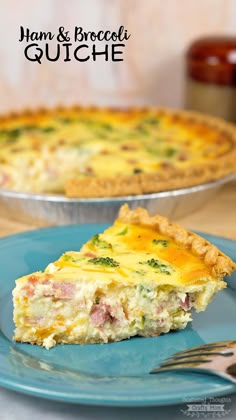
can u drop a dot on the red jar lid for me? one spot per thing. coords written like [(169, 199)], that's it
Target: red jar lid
[(213, 60)]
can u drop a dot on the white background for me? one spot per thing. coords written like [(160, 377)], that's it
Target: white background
[(153, 67)]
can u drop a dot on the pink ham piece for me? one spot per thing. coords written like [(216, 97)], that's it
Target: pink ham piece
[(29, 288), (4, 179), (183, 157), (186, 304), (63, 290), (100, 314), (90, 254), (37, 320), (128, 147), (160, 309), (52, 172)]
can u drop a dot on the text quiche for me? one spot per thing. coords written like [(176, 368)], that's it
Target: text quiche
[(142, 276), (100, 153)]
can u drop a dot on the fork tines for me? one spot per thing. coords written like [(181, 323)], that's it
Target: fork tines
[(196, 356)]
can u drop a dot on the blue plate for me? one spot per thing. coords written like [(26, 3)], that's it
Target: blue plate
[(103, 374)]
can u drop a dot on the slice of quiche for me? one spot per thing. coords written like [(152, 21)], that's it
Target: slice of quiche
[(142, 276)]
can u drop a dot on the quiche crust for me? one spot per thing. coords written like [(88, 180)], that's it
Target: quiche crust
[(220, 264), (167, 177)]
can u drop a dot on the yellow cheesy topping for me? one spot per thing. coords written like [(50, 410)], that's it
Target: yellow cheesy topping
[(134, 253), (40, 152)]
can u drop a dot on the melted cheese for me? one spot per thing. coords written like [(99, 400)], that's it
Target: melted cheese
[(139, 254)]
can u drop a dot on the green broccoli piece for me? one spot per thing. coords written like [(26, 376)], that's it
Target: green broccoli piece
[(106, 261)]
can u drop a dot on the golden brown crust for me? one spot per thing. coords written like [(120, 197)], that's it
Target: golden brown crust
[(66, 340), (169, 177), (220, 264), (104, 187)]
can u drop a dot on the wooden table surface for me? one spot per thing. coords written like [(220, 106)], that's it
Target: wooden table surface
[(217, 217)]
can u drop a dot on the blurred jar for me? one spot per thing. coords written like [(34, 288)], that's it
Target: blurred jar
[(211, 77)]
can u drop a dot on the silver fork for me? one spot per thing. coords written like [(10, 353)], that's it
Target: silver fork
[(217, 358)]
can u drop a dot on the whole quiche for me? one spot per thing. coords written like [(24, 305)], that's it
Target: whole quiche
[(89, 152)]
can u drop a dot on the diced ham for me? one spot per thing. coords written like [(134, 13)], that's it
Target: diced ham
[(159, 309), (66, 290), (29, 288), (51, 171), (4, 178), (186, 304), (90, 254), (128, 147), (47, 278), (33, 279), (166, 165), (100, 314), (183, 157), (63, 290), (36, 320), (61, 142), (88, 171)]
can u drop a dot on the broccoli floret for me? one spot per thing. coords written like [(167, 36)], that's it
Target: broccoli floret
[(107, 261), (100, 243), (162, 242), (162, 268)]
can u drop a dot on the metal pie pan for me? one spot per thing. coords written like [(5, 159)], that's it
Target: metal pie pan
[(43, 209)]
